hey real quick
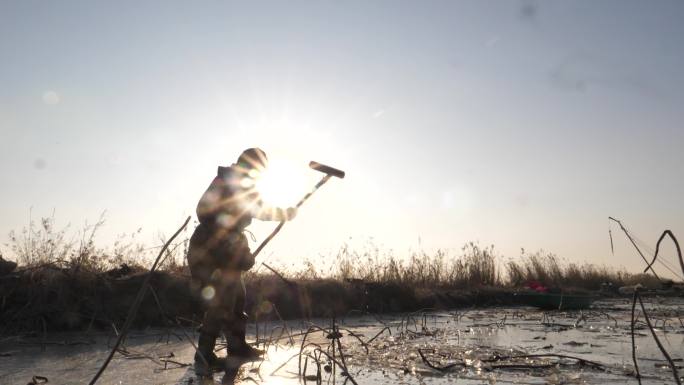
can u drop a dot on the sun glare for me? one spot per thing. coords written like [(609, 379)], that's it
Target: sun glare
[(282, 184)]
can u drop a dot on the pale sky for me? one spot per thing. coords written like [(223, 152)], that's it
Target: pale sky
[(521, 124)]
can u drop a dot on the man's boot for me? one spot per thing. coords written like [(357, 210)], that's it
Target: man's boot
[(205, 358), (237, 343)]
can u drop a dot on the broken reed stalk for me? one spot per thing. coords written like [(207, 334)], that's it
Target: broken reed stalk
[(165, 317), (268, 342), (301, 352), (333, 335), (438, 368), (190, 339), (365, 312), (37, 380), (344, 362), (657, 340), (335, 346), (335, 339), (637, 296), (136, 305), (634, 357), (285, 363), (338, 363), (287, 281), (523, 366), (285, 327), (306, 363), (679, 250), (610, 317), (311, 329), (358, 338), (379, 333), (579, 360), (629, 236)]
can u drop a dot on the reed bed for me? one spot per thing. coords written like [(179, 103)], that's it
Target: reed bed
[(66, 282), (479, 266), (42, 244)]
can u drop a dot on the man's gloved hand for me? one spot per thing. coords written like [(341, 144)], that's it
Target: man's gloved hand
[(240, 255), (290, 213)]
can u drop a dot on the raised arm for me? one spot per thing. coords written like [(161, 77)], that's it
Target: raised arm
[(269, 213)]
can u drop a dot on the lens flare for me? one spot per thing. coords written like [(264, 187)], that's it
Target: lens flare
[(282, 183), (208, 293)]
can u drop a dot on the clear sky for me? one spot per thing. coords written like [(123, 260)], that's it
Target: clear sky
[(516, 123)]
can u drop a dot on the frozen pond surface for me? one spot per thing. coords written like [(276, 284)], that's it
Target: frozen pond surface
[(474, 346)]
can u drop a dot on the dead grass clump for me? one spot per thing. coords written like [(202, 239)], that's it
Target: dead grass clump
[(42, 243), (475, 266), (548, 268)]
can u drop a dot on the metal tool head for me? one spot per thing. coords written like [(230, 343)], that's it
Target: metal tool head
[(326, 169)]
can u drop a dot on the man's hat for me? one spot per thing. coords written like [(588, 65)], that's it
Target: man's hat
[(253, 158)]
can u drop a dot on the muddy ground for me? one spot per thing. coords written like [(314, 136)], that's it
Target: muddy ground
[(472, 346)]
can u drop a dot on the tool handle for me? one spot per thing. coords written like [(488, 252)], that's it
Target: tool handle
[(282, 223), (313, 190)]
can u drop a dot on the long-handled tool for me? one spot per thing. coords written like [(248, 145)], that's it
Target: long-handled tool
[(329, 173)]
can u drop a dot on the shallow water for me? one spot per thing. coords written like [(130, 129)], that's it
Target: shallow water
[(479, 343)]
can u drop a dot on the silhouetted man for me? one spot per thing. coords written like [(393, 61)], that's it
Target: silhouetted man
[(219, 253)]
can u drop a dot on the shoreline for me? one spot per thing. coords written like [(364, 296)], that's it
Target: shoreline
[(58, 299)]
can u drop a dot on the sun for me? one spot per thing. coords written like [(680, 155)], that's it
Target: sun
[(282, 183)]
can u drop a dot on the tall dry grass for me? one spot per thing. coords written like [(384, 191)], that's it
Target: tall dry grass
[(551, 270), (478, 266), (475, 266), (42, 243)]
